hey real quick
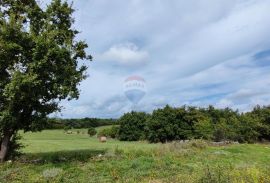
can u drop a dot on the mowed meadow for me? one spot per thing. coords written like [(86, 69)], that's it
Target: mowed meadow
[(58, 140), (55, 156)]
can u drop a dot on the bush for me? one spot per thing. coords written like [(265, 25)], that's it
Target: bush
[(66, 128), (91, 131), (170, 124), (132, 126), (109, 132), (114, 132)]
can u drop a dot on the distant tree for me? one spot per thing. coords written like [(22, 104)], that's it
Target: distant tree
[(38, 66), (57, 123), (132, 126), (204, 129), (91, 131), (187, 118), (262, 116), (248, 129), (169, 124)]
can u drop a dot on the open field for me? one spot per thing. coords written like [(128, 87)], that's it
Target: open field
[(58, 140), (53, 156)]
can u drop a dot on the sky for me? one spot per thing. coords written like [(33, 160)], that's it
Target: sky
[(196, 52)]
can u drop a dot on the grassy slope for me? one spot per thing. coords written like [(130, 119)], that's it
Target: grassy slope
[(134, 161)]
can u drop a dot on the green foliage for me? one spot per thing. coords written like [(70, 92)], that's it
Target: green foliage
[(57, 123), (204, 129), (15, 147), (182, 123), (104, 132), (262, 116), (112, 132), (163, 125), (170, 124), (39, 63), (66, 128), (132, 126), (91, 131), (247, 130)]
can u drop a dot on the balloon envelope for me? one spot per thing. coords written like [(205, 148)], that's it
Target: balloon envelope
[(134, 88), (135, 95)]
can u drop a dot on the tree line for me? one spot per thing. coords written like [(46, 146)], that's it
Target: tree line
[(58, 123), (183, 123)]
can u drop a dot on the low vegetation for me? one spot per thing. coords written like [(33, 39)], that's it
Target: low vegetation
[(55, 156), (91, 131), (112, 132)]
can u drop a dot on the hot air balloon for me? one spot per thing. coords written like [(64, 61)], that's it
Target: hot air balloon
[(134, 88)]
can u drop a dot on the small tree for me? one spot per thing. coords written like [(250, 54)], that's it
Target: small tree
[(91, 131), (38, 66)]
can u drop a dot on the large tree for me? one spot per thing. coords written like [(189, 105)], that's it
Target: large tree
[(39, 56)]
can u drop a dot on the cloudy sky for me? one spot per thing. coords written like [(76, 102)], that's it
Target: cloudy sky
[(196, 52)]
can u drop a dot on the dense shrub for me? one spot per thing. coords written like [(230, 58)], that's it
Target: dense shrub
[(169, 124), (114, 133), (111, 132), (132, 126), (91, 131), (104, 132)]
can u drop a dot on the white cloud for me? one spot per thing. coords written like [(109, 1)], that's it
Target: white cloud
[(127, 54), (223, 103)]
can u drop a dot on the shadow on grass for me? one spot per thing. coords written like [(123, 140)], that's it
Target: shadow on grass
[(60, 156)]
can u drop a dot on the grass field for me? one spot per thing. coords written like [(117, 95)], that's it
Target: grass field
[(53, 156), (58, 140)]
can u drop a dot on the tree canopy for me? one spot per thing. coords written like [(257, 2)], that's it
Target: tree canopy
[(184, 123), (39, 64)]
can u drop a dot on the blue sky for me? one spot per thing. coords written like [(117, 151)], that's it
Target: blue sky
[(196, 52)]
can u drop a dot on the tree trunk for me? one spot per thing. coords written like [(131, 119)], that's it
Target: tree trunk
[(4, 147)]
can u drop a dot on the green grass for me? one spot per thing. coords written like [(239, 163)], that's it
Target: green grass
[(58, 140), (53, 156)]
